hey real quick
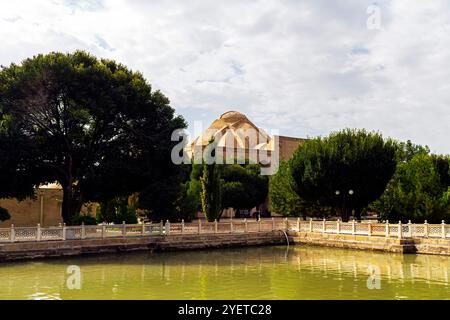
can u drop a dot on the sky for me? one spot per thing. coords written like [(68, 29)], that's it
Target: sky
[(304, 68)]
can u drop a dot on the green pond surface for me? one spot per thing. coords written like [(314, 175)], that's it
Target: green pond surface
[(249, 273)]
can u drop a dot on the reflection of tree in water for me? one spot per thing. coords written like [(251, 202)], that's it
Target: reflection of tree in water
[(247, 273)]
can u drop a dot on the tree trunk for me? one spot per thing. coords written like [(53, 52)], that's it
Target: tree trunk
[(345, 214), (67, 204), (70, 205)]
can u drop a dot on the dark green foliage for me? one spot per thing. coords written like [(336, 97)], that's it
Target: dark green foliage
[(347, 160), (188, 202), (86, 219), (243, 187), (211, 192), (285, 201), (4, 214), (92, 125), (117, 211), (419, 190)]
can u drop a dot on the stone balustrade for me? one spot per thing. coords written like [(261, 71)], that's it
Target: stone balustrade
[(102, 231)]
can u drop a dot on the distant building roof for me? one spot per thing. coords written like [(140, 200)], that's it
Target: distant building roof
[(53, 186)]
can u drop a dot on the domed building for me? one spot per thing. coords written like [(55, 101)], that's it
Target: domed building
[(238, 138), (234, 133)]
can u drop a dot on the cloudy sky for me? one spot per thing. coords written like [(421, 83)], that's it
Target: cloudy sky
[(303, 67)]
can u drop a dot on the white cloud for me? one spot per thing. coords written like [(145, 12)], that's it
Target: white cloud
[(304, 67)]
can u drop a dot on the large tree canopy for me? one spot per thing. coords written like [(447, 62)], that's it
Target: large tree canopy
[(93, 125), (419, 190), (346, 170), (285, 201)]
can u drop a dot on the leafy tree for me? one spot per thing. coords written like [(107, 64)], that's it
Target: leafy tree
[(4, 214), (419, 190), (285, 201), (188, 203), (407, 150), (18, 175), (211, 191), (160, 197), (346, 170), (86, 219), (243, 187), (92, 125), (117, 210)]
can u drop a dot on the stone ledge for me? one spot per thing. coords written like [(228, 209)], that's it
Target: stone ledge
[(47, 249), (416, 245)]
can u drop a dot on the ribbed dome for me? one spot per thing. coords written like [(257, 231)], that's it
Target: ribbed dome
[(233, 116), (237, 125)]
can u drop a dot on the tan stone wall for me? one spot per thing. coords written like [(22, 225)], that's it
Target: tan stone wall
[(288, 145), (29, 213)]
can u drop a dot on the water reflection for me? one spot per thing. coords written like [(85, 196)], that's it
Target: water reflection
[(250, 273)]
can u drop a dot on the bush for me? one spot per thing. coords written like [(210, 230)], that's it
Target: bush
[(84, 218), (117, 210)]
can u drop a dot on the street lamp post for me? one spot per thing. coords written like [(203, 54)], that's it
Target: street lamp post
[(343, 209)]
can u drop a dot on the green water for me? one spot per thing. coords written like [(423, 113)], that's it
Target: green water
[(248, 273)]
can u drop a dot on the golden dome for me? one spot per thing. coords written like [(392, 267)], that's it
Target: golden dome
[(233, 116), (235, 124)]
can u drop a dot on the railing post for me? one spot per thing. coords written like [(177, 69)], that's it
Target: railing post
[(273, 224), (425, 228), (369, 229), (259, 225), (167, 228), (12, 234), (387, 228), (298, 224), (410, 230), (338, 226), (286, 224), (199, 226), (182, 226), (310, 224), (103, 230), (124, 229), (231, 226), (83, 231), (353, 227), (64, 231), (400, 230), (443, 229), (215, 226), (246, 227), (161, 227), (38, 232), (324, 226)]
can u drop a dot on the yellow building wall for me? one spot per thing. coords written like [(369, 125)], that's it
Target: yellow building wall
[(29, 213), (45, 209)]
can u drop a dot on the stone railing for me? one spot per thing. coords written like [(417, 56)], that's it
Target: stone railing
[(389, 230), (102, 231)]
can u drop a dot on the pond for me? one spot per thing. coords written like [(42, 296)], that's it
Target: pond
[(300, 272)]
